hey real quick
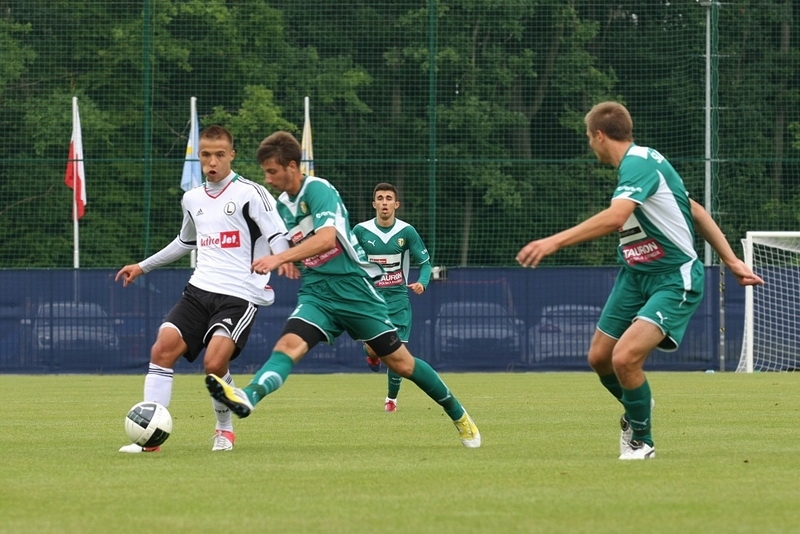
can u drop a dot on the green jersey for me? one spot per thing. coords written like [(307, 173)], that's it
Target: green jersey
[(659, 235), (393, 248), (318, 205)]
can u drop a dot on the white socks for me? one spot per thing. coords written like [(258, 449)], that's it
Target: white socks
[(158, 384)]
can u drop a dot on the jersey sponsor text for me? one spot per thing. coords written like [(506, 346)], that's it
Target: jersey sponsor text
[(229, 239), (642, 252)]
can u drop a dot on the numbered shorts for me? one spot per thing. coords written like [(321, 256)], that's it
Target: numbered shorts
[(668, 300), (347, 303)]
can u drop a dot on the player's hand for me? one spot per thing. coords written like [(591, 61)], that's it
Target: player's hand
[(265, 264), (744, 274), (531, 254), (129, 274), (289, 270), (417, 288)]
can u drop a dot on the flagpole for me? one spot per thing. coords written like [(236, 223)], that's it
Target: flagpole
[(76, 255)]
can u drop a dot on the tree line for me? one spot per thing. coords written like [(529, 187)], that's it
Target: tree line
[(472, 108)]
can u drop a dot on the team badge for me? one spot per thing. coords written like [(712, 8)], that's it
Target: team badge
[(230, 208), (303, 207), (401, 242)]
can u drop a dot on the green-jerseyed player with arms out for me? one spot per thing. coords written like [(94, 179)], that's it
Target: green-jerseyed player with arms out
[(660, 284), (337, 294), (393, 244)]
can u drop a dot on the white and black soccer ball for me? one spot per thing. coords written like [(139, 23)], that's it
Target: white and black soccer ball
[(148, 424)]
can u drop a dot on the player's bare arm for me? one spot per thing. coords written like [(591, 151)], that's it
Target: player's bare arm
[(323, 240), (708, 229), (603, 223)]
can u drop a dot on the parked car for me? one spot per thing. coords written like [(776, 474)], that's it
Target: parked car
[(476, 332), (74, 332), (564, 331)]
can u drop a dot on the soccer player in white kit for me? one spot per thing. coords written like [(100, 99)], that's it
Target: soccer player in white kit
[(230, 221)]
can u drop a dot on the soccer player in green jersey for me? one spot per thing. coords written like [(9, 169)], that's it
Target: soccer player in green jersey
[(660, 284), (337, 294), (393, 244)]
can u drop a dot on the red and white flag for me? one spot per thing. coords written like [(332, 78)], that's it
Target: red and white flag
[(76, 178)]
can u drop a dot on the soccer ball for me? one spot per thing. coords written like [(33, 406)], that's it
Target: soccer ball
[(148, 424)]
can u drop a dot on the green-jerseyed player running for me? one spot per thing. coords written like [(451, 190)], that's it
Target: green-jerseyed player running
[(393, 244), (660, 284), (337, 294)]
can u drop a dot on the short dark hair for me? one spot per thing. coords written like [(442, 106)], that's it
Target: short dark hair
[(611, 118), (383, 186), (215, 132), (282, 146)]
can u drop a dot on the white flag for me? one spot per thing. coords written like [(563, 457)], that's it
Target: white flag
[(307, 158)]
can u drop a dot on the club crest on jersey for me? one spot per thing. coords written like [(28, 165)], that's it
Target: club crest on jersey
[(401, 242), (230, 208), (303, 207)]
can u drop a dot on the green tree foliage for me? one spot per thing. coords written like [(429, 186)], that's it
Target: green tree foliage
[(477, 118)]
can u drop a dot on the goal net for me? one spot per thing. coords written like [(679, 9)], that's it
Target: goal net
[(771, 339)]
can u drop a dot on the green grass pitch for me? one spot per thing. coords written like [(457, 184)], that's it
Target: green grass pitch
[(320, 455)]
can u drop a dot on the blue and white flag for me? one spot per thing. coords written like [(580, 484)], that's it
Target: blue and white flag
[(192, 170)]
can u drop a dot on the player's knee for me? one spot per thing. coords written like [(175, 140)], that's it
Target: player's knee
[(400, 362), (385, 344), (599, 360), (215, 367), (305, 337)]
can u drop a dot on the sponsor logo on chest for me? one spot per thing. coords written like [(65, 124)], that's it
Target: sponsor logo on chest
[(229, 239), (642, 252)]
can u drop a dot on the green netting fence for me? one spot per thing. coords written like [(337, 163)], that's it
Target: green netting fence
[(473, 108)]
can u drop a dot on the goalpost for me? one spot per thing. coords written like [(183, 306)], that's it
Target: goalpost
[(771, 339)]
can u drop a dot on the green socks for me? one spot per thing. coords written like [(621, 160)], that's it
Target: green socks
[(278, 367), (394, 384), (611, 383), (269, 378), (431, 383), (638, 407)]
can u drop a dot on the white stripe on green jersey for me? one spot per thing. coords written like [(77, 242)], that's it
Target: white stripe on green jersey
[(659, 234), (393, 248), (319, 205)]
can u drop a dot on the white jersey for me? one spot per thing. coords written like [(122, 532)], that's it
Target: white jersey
[(229, 229)]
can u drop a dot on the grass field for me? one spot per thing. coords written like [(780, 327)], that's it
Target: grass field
[(320, 455)]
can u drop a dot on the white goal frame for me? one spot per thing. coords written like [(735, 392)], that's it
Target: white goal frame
[(782, 279)]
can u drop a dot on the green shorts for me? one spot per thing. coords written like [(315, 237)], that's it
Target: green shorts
[(346, 303), (668, 300), (400, 315)]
